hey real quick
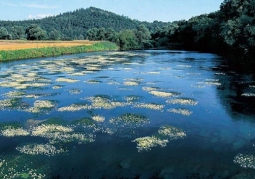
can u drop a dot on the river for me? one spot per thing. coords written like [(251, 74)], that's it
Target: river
[(137, 114)]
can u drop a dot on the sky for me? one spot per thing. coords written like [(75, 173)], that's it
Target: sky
[(143, 10)]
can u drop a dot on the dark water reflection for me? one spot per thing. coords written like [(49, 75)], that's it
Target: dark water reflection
[(93, 109)]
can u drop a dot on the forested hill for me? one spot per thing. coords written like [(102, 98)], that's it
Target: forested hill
[(74, 25)]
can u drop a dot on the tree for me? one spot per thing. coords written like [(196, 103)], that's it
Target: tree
[(127, 40), (110, 34), (4, 34), (143, 35), (34, 32), (92, 34), (54, 35), (17, 32)]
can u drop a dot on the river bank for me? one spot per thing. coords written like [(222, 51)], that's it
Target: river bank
[(52, 49)]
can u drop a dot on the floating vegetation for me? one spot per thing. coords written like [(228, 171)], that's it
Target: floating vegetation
[(245, 160), (40, 106), (57, 87), (172, 132), (103, 102), (129, 119), (9, 131), (132, 98), (84, 122), (146, 88), (214, 82), (131, 83), (17, 167), (98, 118), (163, 94), (5, 103), (68, 80), (150, 106), (185, 112), (248, 94), (75, 107), (39, 149), (70, 137), (146, 143), (14, 94), (59, 133), (182, 101), (13, 103), (75, 91), (44, 130), (93, 81)]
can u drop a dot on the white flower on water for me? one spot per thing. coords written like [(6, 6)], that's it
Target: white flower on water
[(245, 160), (12, 132), (146, 143), (172, 132), (39, 149)]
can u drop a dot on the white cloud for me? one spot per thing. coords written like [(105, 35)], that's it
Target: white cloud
[(36, 6), (39, 16)]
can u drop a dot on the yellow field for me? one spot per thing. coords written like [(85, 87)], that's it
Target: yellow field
[(21, 44)]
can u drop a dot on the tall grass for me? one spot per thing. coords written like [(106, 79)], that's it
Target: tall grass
[(55, 51)]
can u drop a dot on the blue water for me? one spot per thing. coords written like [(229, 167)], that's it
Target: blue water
[(219, 127)]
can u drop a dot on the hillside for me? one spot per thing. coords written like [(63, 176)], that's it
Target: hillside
[(74, 25)]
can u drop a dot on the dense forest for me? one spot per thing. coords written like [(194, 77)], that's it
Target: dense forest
[(72, 25), (231, 30)]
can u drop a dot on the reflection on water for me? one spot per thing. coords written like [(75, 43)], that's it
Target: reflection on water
[(140, 114)]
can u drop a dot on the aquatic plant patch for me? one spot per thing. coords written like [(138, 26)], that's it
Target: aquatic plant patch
[(68, 80), (98, 118), (171, 132), (164, 94), (245, 160), (182, 111), (248, 94), (39, 149), (146, 143), (75, 91), (182, 101), (9, 131), (102, 102), (129, 119), (153, 106), (75, 107), (131, 83), (41, 106)]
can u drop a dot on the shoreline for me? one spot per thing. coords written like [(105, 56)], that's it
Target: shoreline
[(8, 55)]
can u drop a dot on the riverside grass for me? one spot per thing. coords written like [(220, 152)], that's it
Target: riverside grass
[(55, 51)]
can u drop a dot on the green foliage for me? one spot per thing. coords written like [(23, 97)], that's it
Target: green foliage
[(54, 35), (230, 30), (4, 33), (34, 32), (74, 25), (17, 32), (55, 51), (127, 40)]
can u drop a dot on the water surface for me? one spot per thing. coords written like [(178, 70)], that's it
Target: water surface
[(138, 114)]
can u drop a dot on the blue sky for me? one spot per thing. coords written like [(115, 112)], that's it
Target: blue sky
[(143, 10)]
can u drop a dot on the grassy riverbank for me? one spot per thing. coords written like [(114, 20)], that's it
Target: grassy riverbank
[(51, 49)]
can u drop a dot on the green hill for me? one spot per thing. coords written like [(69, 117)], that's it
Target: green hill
[(74, 25)]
